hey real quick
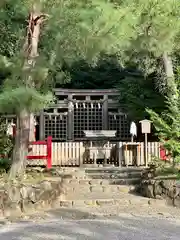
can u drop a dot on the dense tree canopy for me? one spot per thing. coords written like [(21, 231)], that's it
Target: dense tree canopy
[(57, 34)]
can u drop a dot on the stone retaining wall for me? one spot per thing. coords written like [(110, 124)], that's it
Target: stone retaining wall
[(166, 188), (17, 199)]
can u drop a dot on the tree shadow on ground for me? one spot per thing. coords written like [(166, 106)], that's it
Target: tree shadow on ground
[(124, 227), (67, 213)]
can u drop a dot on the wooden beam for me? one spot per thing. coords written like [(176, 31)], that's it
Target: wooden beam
[(83, 92)]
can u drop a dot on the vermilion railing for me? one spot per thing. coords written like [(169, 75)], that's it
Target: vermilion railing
[(47, 157), (164, 154)]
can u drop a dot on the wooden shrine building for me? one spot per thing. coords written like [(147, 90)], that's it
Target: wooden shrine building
[(77, 110)]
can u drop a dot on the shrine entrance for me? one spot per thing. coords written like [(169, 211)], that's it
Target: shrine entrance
[(73, 115), (79, 110)]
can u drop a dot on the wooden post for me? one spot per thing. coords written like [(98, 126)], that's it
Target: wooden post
[(88, 98), (70, 125), (126, 158), (105, 155), (145, 128), (105, 113), (138, 155), (119, 154), (49, 152), (146, 150), (81, 159), (41, 126)]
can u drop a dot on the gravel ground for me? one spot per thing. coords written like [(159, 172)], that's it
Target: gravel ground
[(70, 224)]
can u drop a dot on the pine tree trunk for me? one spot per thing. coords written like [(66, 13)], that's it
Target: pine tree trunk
[(31, 49), (21, 145), (25, 126), (171, 85), (169, 74), (32, 127)]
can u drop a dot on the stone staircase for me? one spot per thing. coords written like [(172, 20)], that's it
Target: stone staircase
[(102, 180), (102, 186)]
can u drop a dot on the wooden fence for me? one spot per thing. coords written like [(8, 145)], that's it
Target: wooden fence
[(71, 153)]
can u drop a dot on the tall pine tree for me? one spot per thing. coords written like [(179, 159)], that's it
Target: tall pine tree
[(56, 32)]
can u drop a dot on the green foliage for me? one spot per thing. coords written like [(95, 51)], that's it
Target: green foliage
[(73, 40), (74, 31), (13, 16), (156, 30), (164, 169), (5, 164), (6, 143), (23, 98), (137, 93), (85, 30), (167, 126), (106, 73), (80, 32)]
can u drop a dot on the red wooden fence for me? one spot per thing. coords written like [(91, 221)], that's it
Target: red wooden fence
[(48, 156)]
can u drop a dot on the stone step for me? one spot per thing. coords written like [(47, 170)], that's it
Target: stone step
[(128, 181), (78, 189), (113, 170), (123, 197), (104, 200), (125, 175)]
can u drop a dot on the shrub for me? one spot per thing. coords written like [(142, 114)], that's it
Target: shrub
[(167, 126), (6, 146)]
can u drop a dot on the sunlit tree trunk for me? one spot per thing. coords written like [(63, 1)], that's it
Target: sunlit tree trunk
[(25, 125), (169, 75), (21, 145), (170, 78)]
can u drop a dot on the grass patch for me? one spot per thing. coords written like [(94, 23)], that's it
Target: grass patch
[(5, 164), (167, 171), (28, 179)]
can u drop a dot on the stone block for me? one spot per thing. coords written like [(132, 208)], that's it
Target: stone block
[(45, 185), (125, 189), (57, 186), (95, 182), (148, 191), (159, 197), (90, 202), (34, 195), (45, 195), (13, 210), (96, 188), (26, 206), (26, 191), (167, 184), (14, 194), (39, 205), (18, 199), (84, 181), (103, 202), (4, 198), (73, 181), (55, 204), (176, 202), (111, 189), (66, 203), (157, 189)]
